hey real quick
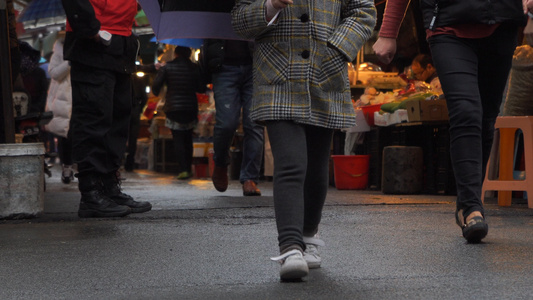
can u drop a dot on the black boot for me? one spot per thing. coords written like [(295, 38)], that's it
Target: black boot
[(94, 203), (112, 189)]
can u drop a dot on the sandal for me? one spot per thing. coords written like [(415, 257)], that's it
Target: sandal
[(475, 230)]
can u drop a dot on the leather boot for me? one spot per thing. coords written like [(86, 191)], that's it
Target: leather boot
[(113, 190), (93, 203), (220, 178)]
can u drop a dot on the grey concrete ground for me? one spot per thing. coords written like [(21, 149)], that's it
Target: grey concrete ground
[(198, 243)]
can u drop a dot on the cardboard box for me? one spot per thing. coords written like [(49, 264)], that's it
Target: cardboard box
[(427, 110)]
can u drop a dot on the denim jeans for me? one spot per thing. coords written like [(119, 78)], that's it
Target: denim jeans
[(301, 174), (233, 92), (473, 74)]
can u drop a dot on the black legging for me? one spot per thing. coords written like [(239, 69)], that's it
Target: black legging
[(301, 174), (473, 74)]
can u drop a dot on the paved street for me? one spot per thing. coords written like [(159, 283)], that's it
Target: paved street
[(198, 243)]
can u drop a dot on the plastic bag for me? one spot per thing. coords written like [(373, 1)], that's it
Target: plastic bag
[(519, 98)]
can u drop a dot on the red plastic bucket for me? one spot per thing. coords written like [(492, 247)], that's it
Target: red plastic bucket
[(351, 171), (200, 170), (368, 112)]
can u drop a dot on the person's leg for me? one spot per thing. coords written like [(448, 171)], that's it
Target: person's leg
[(253, 132), (317, 176), (92, 91), (135, 124), (65, 150), (117, 137), (495, 59), (64, 146), (183, 149), (289, 149), (226, 88), (188, 149), (457, 64), (92, 118), (177, 141)]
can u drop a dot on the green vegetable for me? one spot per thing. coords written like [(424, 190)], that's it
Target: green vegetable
[(390, 107)]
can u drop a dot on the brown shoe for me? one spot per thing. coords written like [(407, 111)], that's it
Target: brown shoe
[(220, 178), (250, 189)]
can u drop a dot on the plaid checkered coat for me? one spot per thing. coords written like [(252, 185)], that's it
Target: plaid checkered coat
[(300, 62)]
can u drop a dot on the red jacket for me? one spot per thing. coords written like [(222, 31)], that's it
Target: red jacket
[(114, 16), (86, 18)]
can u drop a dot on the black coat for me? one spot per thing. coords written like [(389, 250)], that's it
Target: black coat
[(182, 78), (453, 12)]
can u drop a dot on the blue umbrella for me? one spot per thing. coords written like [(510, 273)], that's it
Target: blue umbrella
[(193, 43), (42, 12), (185, 24)]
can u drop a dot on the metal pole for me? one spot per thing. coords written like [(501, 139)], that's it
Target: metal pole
[(5, 77)]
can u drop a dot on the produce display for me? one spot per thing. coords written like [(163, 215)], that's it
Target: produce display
[(391, 101)]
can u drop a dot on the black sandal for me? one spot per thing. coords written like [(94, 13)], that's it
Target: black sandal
[(475, 230)]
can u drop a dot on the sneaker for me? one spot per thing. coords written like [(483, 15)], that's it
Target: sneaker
[(311, 255), (293, 265), (184, 175), (67, 175)]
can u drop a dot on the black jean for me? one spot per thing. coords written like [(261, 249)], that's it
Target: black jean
[(301, 174), (183, 147), (134, 128), (64, 145), (473, 74), (101, 110)]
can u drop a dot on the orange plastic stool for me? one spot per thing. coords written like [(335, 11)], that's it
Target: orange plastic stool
[(505, 183)]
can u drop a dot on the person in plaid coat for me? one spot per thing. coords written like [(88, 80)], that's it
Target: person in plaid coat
[(302, 93)]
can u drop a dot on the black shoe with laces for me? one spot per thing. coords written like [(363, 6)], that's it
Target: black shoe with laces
[(113, 190), (94, 204)]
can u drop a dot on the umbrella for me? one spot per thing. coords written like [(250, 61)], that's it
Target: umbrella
[(193, 43), (188, 19), (40, 13)]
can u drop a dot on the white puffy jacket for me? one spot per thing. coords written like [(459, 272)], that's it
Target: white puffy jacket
[(59, 99)]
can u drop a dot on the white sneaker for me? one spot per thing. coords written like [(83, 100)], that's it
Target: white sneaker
[(293, 265), (311, 255)]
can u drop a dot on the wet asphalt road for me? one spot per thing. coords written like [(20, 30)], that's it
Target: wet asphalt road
[(198, 243)]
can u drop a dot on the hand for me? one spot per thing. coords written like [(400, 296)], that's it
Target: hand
[(528, 5), (528, 32), (96, 38), (385, 48), (279, 4)]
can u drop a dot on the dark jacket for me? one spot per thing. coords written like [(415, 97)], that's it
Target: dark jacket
[(79, 47), (213, 56), (182, 78), (451, 12)]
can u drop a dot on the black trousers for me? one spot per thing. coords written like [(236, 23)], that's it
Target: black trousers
[(134, 128), (183, 147), (101, 110), (473, 74), (64, 145)]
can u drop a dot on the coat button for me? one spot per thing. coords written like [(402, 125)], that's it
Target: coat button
[(304, 18), (305, 54)]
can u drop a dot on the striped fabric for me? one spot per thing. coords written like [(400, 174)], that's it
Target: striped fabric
[(300, 62)]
